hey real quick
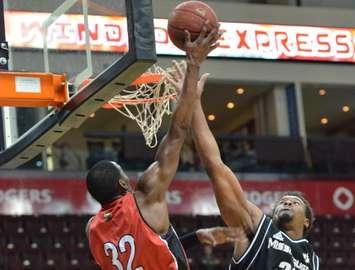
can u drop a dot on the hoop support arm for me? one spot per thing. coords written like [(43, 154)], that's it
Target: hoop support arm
[(32, 89)]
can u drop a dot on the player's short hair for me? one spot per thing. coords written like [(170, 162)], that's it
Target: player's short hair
[(102, 181), (308, 209)]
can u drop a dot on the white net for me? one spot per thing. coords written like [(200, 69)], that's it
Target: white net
[(147, 103)]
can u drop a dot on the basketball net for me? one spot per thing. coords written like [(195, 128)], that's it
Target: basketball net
[(147, 102)]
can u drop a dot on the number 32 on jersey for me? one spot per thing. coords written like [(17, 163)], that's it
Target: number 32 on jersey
[(111, 250)]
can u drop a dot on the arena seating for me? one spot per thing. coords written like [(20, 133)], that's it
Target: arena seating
[(331, 156), (59, 242)]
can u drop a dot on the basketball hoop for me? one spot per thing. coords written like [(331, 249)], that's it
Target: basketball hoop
[(146, 102)]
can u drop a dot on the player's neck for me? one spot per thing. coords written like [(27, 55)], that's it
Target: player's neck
[(294, 234)]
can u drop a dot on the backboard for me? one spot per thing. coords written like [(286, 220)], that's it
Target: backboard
[(100, 45)]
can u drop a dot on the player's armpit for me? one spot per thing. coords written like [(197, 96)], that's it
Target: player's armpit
[(154, 213)]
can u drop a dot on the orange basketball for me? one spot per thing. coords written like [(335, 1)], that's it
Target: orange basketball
[(190, 16)]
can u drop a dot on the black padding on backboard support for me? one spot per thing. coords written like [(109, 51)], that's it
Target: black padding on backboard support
[(2, 67), (120, 74)]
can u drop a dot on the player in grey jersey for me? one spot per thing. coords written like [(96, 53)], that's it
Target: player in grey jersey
[(274, 245), (264, 243)]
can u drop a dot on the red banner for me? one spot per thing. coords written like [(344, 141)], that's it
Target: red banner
[(69, 196), (239, 40)]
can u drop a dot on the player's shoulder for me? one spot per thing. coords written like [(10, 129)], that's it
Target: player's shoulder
[(127, 201), (114, 210), (279, 236), (87, 227), (257, 240)]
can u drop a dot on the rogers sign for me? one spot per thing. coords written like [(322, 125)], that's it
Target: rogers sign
[(188, 197), (239, 40), (21, 194)]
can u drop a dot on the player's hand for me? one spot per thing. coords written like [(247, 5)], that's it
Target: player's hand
[(206, 42), (217, 235)]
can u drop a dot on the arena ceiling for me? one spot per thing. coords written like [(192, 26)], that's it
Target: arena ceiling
[(316, 107)]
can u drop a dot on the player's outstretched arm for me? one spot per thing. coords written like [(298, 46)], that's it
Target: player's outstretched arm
[(213, 236), (235, 209), (156, 179)]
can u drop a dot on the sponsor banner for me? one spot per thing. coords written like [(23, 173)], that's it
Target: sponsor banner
[(239, 40), (69, 196), (24, 30)]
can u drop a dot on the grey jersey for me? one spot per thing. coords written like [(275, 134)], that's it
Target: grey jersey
[(271, 249)]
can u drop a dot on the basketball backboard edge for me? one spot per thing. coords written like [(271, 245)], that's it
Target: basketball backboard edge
[(120, 74)]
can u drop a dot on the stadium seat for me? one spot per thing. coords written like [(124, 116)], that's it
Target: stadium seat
[(13, 225), (321, 151), (270, 152), (17, 243), (35, 225), (11, 259), (336, 244), (318, 244), (41, 241), (58, 225), (351, 228), (55, 260), (344, 156), (350, 245), (78, 225), (2, 241), (337, 260), (351, 260), (32, 259), (137, 155), (64, 244), (81, 261)]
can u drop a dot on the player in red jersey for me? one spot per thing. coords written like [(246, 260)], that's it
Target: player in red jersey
[(132, 230)]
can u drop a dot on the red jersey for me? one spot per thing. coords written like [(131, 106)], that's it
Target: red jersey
[(120, 239)]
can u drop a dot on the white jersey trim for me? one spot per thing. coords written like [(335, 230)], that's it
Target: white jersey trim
[(252, 243), (294, 241), (172, 254), (262, 242), (315, 262)]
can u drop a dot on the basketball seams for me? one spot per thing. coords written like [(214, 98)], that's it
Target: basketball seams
[(191, 6), (186, 10), (191, 16), (182, 30)]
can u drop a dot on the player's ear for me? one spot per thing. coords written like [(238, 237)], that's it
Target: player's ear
[(306, 224), (123, 183)]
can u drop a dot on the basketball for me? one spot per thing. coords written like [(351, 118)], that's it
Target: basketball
[(190, 16)]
